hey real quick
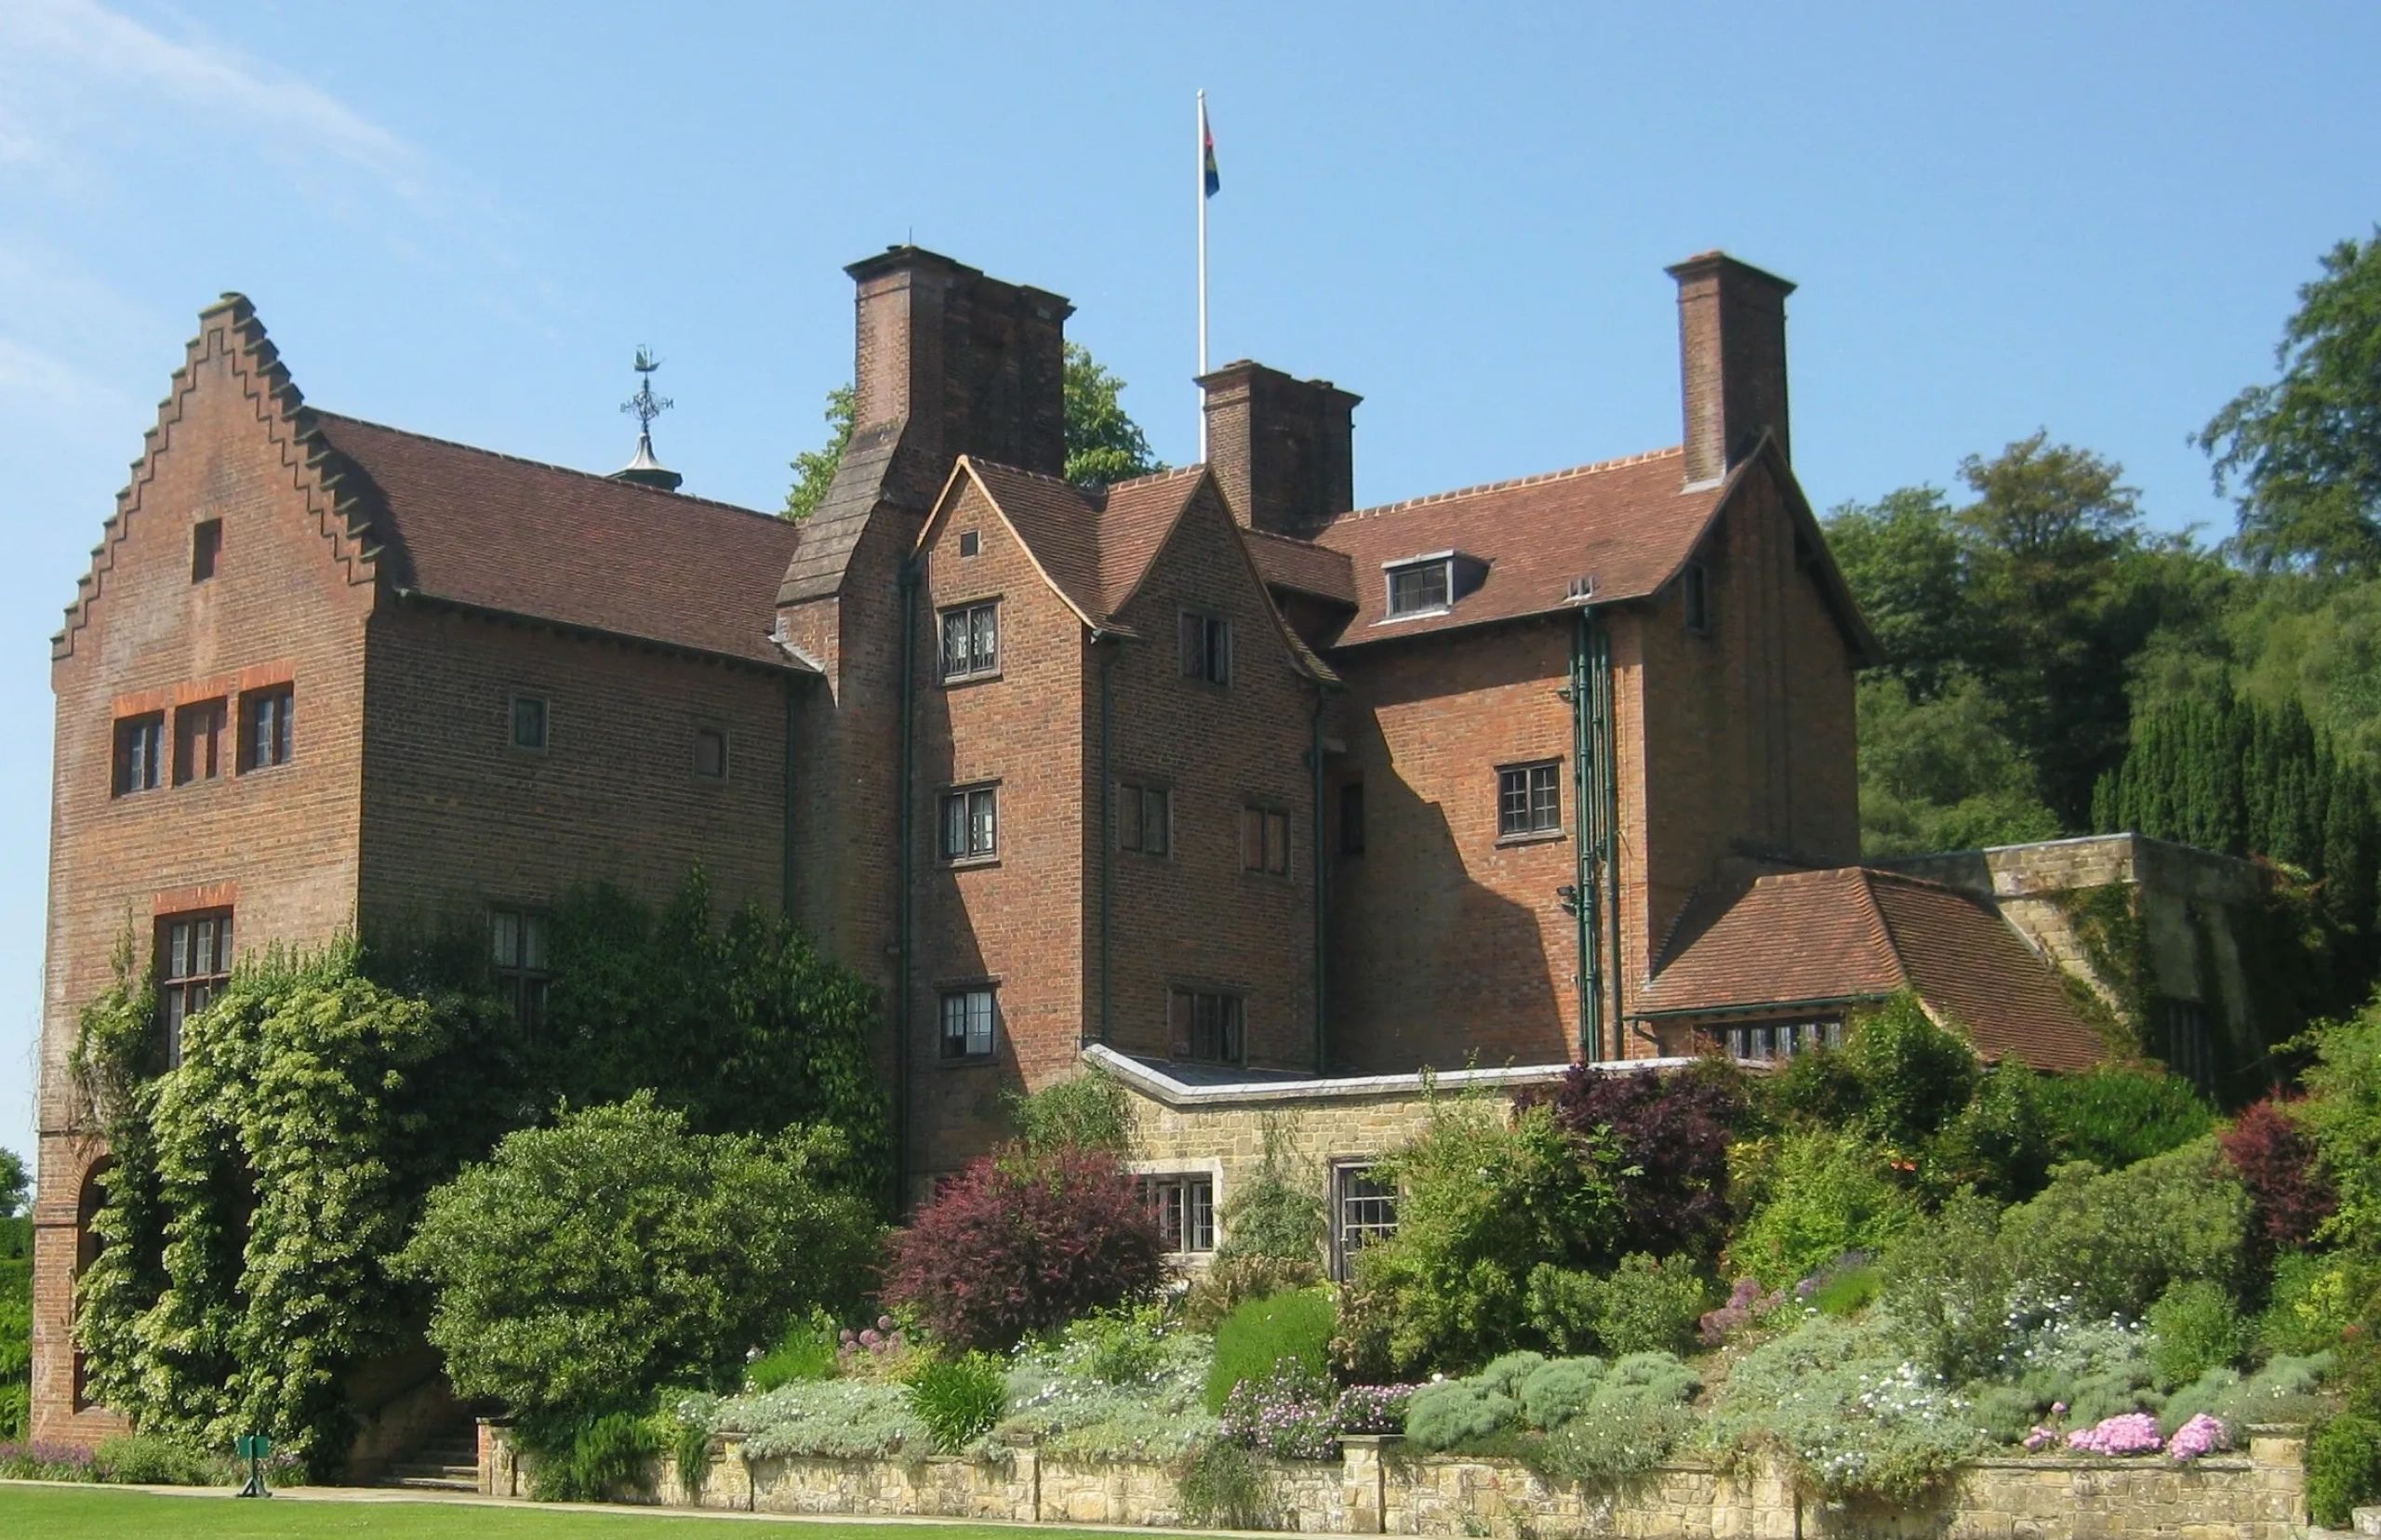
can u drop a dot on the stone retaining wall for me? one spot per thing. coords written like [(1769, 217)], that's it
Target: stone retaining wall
[(2252, 1495)]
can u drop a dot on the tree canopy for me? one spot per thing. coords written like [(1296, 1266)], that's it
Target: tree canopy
[(1104, 444)]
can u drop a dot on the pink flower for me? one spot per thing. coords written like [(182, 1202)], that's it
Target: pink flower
[(2202, 1435), (2130, 1433)]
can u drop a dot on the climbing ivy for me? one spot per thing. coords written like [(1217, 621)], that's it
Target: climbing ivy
[(2107, 920), (256, 1191)]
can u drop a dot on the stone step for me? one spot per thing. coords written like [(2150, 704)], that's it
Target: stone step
[(433, 1484), (2365, 1520)]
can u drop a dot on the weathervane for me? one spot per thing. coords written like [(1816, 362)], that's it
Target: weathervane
[(644, 470)]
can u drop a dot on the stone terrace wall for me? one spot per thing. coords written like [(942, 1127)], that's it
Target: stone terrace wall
[(2255, 1495)]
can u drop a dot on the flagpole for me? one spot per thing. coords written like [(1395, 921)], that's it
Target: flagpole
[(1199, 153)]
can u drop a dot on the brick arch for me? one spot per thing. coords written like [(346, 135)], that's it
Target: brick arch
[(88, 1246)]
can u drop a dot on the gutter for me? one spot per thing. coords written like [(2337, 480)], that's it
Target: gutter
[(794, 661)]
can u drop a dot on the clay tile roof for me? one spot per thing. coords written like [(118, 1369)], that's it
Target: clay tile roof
[(1134, 525), (1852, 934), (1627, 523), (1303, 567), (1058, 523), (472, 526)]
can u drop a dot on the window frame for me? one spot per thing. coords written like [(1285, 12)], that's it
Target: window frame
[(205, 548), (971, 543), (1183, 1204), (1531, 826), (278, 703), (183, 987), (963, 995), (695, 752), (1203, 640), (129, 774), (526, 986), (1351, 820), (1184, 1003), (968, 853), (1139, 795), (513, 702), (1264, 839), (1346, 1174), (1761, 1040), (1418, 566), (1695, 598), (976, 667), (186, 742)]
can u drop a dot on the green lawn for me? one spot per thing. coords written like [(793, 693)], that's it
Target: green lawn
[(85, 1513)]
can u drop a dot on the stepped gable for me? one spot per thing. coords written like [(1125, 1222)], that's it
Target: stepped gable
[(1852, 934), (488, 531)]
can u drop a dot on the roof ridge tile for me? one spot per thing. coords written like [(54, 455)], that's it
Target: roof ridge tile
[(1508, 484)]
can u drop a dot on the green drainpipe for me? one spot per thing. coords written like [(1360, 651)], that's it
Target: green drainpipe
[(1587, 767), (905, 860), (1321, 895), (1106, 642), (793, 684), (1599, 668)]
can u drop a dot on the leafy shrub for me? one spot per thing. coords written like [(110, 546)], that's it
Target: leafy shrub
[(1917, 1075), (2194, 1327), (1559, 1389), (1645, 1305), (1950, 1283), (1230, 1282), (1817, 1089), (1290, 1414), (1747, 1304), (2342, 1113), (2000, 1143), (591, 1459), (1846, 1288), (16, 1316), (1668, 1140), (146, 1459), (1505, 1373), (23, 1461), (1089, 1111), (1274, 1215), (2113, 1116), (1079, 1393), (1829, 1193), (584, 1265), (836, 1419), (1125, 1346), (1484, 1200), (959, 1400), (1259, 1336), (685, 1421), (2118, 1239), (1454, 1412), (2284, 1391), (1010, 1247), (2289, 1194), (2312, 1298), (1225, 1486), (2097, 1366), (1637, 1415), (2343, 1467), (806, 1351)]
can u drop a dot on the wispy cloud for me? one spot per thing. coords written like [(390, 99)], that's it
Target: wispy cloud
[(59, 47)]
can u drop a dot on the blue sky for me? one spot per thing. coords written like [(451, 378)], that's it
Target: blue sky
[(462, 218)]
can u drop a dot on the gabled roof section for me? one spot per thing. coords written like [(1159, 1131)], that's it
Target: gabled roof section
[(488, 531), (1094, 547), (1302, 567), (1853, 934), (229, 330)]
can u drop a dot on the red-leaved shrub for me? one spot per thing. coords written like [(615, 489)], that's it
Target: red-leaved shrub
[(2288, 1193), (1672, 1131), (1023, 1244)]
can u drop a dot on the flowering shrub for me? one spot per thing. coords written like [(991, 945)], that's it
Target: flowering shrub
[(2202, 1435), (1290, 1415), (1122, 1386), (1373, 1408), (1256, 1339), (2131, 1433), (2289, 1195), (837, 1418), (2117, 1239), (45, 1462), (1747, 1304), (1018, 1245), (879, 1351)]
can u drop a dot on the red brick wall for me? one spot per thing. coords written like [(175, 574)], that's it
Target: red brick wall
[(279, 845), (1194, 917), (455, 817), (1447, 942)]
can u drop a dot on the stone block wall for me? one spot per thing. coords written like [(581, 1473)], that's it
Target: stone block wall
[(2257, 1494)]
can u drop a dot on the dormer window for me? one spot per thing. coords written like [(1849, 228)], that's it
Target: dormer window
[(1424, 586)]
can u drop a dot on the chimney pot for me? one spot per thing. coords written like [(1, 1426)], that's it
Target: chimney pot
[(1282, 450)]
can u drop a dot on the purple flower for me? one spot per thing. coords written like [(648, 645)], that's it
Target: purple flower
[(2202, 1435), (883, 1324), (2128, 1433)]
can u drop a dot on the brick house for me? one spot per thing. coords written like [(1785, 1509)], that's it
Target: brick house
[(1255, 799)]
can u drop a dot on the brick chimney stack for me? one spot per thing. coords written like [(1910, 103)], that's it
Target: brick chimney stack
[(1732, 358), (1281, 449), (976, 365)]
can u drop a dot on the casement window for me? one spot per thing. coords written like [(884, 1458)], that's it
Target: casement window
[(971, 823), (517, 957), (528, 722), (710, 753), (1206, 648), (139, 747), (1208, 1026), (1421, 588), (1695, 598), (206, 548), (1776, 1040), (198, 741), (265, 738), (970, 1017), (1352, 818), (193, 962), (1184, 1207), (1364, 1209), (1144, 819), (971, 640), (1265, 840), (1529, 798)]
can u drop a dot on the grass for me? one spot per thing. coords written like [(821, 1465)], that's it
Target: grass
[(76, 1513)]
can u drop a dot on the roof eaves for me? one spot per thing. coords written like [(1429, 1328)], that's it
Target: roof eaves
[(966, 466), (796, 662)]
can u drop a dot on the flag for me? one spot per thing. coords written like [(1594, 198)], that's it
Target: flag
[(1207, 142)]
